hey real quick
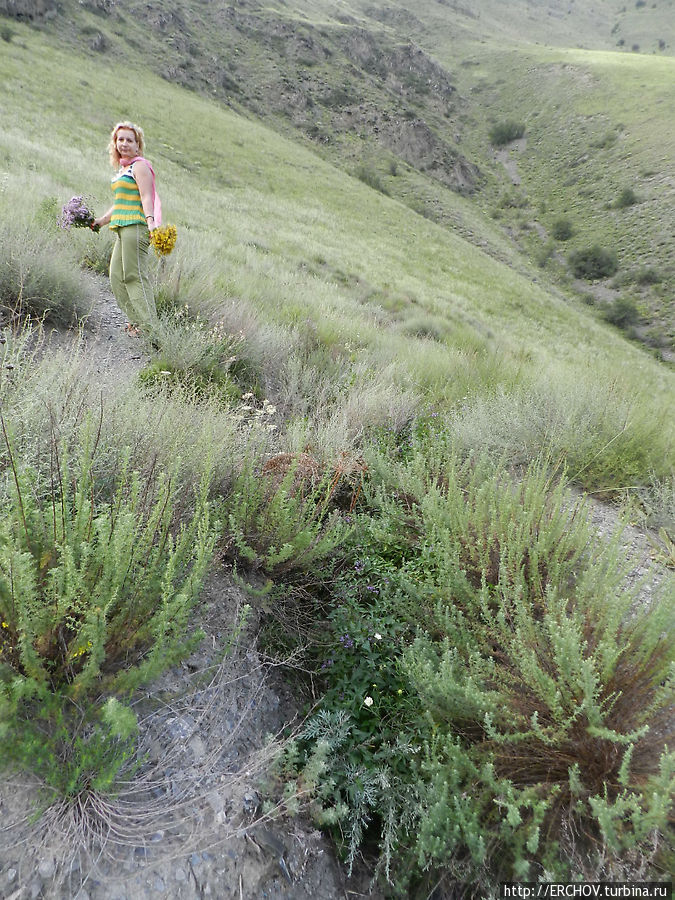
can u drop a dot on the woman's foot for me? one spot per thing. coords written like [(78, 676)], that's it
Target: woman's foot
[(132, 330)]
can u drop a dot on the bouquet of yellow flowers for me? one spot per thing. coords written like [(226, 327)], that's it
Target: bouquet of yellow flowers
[(163, 239)]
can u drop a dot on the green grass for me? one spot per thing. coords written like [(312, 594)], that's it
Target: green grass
[(500, 65), (273, 238)]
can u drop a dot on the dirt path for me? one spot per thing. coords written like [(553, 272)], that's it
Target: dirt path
[(507, 156), (112, 353)]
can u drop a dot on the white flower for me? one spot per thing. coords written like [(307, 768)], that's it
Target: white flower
[(368, 701), (377, 636)]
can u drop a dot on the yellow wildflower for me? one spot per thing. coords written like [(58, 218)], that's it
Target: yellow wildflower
[(163, 239)]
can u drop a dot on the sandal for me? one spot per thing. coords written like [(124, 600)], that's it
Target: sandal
[(132, 330)]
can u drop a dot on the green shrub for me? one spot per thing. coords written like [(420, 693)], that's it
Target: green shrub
[(524, 730), (512, 199), (504, 132), (283, 518), (48, 213), (370, 177), (339, 97), (621, 312), (210, 382), (562, 230), (605, 141), (38, 279), (194, 354), (593, 262), (626, 198), (647, 275), (96, 589), (95, 253), (601, 429)]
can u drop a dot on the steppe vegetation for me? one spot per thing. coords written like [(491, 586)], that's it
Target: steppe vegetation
[(385, 425)]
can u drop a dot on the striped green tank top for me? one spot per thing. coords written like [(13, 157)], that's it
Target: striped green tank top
[(127, 206)]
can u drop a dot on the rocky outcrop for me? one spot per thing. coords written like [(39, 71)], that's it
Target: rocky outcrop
[(28, 9)]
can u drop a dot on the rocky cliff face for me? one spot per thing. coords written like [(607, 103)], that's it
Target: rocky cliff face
[(28, 9)]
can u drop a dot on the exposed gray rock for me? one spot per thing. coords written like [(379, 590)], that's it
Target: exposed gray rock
[(28, 9)]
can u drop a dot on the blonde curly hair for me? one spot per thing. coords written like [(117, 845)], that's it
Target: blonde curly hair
[(112, 146)]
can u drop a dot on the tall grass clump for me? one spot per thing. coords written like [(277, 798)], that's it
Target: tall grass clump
[(495, 706), (97, 582), (37, 279), (195, 354), (171, 427), (600, 430)]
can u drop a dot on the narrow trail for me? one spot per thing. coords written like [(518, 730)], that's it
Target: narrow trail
[(109, 350)]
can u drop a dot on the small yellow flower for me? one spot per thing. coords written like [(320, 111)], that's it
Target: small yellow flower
[(81, 651), (399, 691), (5, 625)]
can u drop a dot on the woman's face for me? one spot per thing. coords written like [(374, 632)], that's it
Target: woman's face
[(126, 143)]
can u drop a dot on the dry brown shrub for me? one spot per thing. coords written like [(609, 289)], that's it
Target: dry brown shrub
[(344, 476)]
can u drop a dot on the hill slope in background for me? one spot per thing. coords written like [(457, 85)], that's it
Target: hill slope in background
[(404, 97)]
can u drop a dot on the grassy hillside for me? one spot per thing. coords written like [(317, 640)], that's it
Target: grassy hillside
[(340, 256), (376, 418), (593, 117), (405, 98), (555, 23)]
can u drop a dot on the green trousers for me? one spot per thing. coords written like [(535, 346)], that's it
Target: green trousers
[(128, 275)]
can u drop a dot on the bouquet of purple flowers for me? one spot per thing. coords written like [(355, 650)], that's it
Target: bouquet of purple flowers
[(76, 214)]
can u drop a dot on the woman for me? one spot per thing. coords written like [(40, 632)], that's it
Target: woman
[(135, 213)]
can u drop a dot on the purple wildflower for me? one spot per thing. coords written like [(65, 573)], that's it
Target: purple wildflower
[(346, 641), (76, 214)]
